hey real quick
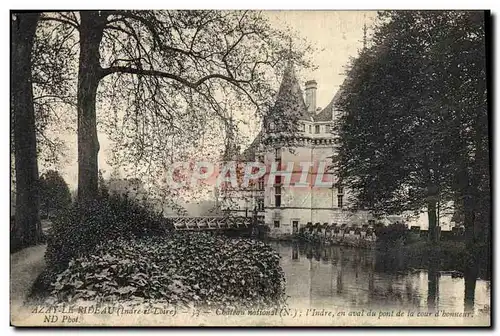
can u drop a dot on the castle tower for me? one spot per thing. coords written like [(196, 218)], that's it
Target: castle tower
[(296, 137)]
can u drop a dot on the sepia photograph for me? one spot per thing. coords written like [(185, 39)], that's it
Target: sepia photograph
[(250, 168)]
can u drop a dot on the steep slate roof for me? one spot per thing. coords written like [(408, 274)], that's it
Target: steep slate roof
[(290, 97), (249, 153), (327, 113)]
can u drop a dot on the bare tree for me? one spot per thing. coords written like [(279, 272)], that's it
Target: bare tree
[(54, 88), (175, 63)]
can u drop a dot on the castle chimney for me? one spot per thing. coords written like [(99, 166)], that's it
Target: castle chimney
[(311, 87)]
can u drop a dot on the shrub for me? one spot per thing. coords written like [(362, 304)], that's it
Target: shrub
[(394, 234), (77, 231), (54, 194), (187, 268)]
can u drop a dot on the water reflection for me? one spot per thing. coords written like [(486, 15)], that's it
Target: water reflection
[(335, 276), (470, 289), (432, 287)]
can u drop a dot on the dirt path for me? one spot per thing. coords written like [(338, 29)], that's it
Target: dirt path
[(25, 266)]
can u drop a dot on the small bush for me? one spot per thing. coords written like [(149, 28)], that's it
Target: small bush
[(187, 268)]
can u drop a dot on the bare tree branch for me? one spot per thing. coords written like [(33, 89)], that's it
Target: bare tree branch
[(161, 74), (57, 19)]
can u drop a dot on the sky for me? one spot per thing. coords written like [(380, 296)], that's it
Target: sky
[(337, 36)]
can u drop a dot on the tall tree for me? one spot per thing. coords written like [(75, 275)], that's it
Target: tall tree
[(412, 105), (465, 76), (175, 63), (91, 30), (27, 228)]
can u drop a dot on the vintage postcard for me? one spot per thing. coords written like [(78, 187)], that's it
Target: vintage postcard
[(250, 168)]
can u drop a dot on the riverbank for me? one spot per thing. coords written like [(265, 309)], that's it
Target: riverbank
[(358, 241), (400, 255)]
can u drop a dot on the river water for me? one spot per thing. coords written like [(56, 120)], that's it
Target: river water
[(342, 277)]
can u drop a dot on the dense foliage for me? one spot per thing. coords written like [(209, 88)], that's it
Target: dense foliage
[(396, 234), (79, 230), (414, 125), (201, 269), (54, 193)]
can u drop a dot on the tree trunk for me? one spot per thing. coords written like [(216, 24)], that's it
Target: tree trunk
[(89, 75), (469, 194), (432, 199), (27, 228), (431, 213), (469, 222)]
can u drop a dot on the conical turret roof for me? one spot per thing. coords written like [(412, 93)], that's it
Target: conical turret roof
[(289, 104)]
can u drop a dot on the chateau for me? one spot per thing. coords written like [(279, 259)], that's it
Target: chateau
[(286, 207)]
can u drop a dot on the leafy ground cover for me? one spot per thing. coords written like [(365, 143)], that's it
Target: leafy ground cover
[(181, 269), (80, 229)]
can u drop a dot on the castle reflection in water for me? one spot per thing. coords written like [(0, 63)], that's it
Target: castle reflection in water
[(340, 277)]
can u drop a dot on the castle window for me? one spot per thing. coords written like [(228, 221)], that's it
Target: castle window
[(277, 196), (260, 204), (261, 183), (340, 201), (310, 129), (276, 224), (316, 129)]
